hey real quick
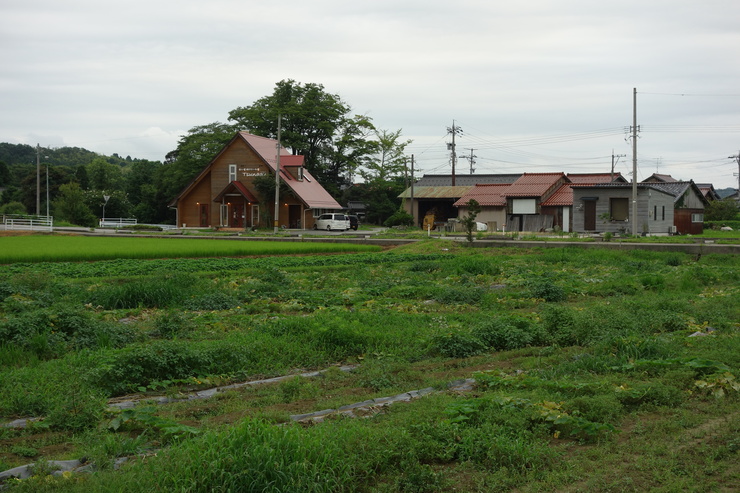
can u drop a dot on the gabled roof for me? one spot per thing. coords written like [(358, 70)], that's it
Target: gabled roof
[(707, 189), (563, 196), (658, 178), (678, 188), (486, 195), (308, 190), (238, 187), (533, 184)]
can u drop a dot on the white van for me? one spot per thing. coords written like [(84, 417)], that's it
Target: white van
[(332, 222)]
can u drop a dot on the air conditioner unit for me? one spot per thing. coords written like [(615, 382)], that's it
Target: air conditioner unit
[(673, 230)]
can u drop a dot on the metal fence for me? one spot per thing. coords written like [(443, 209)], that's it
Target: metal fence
[(117, 222), (14, 222)]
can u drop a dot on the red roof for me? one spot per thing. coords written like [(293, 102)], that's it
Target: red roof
[(239, 187), (485, 195), (533, 184), (309, 190), (562, 196)]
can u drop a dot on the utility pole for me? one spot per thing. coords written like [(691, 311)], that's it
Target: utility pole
[(454, 131), (634, 161), (412, 190), (471, 158), (614, 162), (38, 180), (277, 181), (737, 158)]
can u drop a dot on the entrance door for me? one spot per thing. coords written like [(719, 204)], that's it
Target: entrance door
[(237, 214), (203, 213), (589, 215), (294, 216)]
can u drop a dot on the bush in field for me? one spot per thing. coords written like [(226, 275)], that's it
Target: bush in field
[(253, 456), (546, 289), (563, 325), (158, 292), (171, 323), (458, 344), (458, 295), (509, 332), (476, 265)]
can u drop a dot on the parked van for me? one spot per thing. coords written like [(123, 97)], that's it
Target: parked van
[(332, 222)]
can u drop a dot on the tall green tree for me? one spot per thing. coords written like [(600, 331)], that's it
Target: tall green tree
[(71, 206), (388, 161), (194, 151), (103, 175), (315, 124)]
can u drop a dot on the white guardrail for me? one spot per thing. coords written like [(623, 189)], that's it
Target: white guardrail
[(28, 223), (117, 222)]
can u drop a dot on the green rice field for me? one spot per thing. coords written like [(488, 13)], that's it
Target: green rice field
[(44, 248)]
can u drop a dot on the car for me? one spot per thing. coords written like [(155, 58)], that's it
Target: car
[(354, 222), (332, 222)]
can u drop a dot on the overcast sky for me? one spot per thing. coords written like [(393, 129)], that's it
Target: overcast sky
[(537, 85)]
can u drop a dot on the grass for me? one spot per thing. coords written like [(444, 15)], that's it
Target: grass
[(587, 378), (56, 248)]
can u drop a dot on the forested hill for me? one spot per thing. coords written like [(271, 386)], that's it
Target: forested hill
[(19, 154)]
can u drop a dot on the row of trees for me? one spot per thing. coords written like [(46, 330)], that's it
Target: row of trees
[(339, 148)]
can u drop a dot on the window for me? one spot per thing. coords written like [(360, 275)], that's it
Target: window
[(619, 209), (232, 172), (300, 173), (655, 213), (663, 213), (697, 218), (524, 206)]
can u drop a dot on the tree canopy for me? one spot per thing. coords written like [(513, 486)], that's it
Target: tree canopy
[(338, 146)]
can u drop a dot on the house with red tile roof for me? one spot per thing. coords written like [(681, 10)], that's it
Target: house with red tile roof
[(224, 194), (492, 202)]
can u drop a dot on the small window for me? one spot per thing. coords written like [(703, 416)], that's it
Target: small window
[(300, 173), (618, 209), (655, 213), (663, 213), (232, 172), (697, 218)]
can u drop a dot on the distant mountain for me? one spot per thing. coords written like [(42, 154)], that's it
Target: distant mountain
[(725, 192)]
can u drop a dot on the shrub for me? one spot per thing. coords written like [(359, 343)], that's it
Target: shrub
[(563, 325), (158, 292), (505, 333), (399, 218), (546, 289), (458, 295), (459, 344), (171, 323)]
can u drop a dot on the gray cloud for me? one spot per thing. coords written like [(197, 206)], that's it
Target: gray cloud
[(536, 86)]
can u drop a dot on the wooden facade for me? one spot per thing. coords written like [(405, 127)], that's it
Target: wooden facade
[(224, 194)]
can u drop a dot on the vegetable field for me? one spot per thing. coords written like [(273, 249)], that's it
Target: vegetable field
[(588, 370)]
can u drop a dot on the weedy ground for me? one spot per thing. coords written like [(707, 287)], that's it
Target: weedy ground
[(590, 375)]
